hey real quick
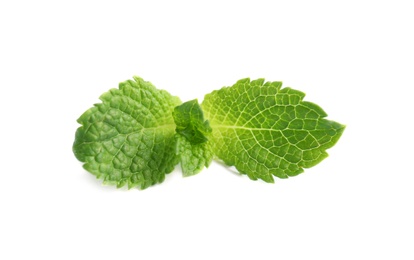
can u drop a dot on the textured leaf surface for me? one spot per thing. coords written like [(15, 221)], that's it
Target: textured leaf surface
[(129, 137), (193, 157), (267, 131), (190, 123), (192, 145)]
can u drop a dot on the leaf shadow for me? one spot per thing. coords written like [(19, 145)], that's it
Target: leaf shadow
[(231, 169)]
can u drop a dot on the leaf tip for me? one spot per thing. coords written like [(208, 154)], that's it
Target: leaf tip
[(242, 81), (257, 82)]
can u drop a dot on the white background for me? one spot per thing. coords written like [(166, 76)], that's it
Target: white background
[(353, 58)]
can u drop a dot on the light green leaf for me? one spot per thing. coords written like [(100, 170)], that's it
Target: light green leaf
[(192, 145), (128, 139), (267, 131), (193, 157)]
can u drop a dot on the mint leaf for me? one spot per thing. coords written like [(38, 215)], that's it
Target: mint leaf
[(128, 139), (139, 133), (193, 157), (190, 123), (266, 131), (192, 145)]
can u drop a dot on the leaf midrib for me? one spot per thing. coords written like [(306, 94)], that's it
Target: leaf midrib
[(251, 128)]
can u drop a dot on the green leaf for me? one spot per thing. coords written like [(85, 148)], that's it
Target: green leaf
[(193, 157), (128, 139), (190, 123), (266, 131), (192, 145)]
